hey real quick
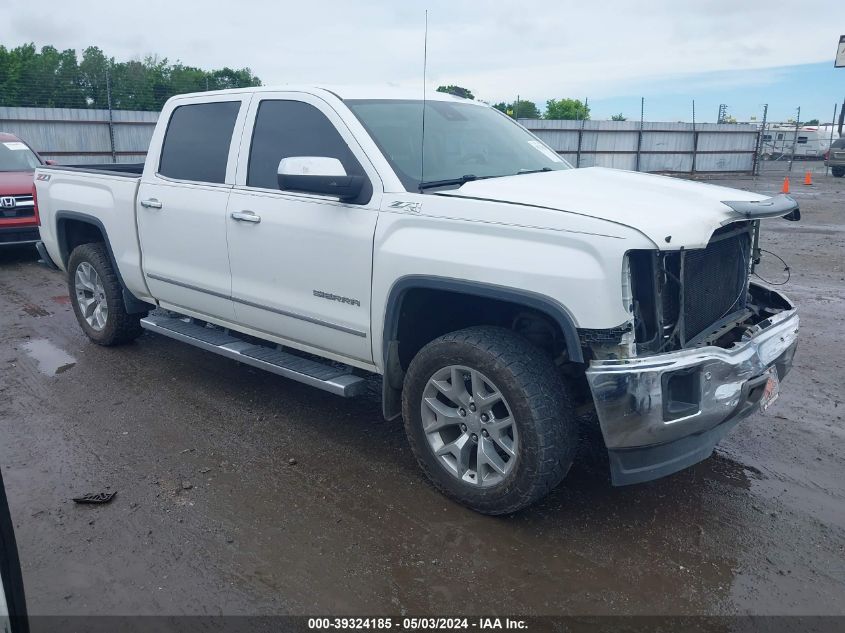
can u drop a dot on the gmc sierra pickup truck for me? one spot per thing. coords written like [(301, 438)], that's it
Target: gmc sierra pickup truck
[(328, 235)]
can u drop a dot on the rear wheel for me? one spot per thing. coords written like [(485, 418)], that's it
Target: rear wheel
[(488, 419), (97, 297)]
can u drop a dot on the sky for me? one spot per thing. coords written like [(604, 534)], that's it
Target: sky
[(743, 53)]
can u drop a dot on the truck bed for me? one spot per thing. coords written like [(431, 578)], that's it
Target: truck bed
[(100, 195)]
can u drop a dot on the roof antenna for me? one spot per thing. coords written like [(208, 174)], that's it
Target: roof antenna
[(425, 64)]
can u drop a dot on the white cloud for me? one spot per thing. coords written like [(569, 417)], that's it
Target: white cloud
[(498, 49)]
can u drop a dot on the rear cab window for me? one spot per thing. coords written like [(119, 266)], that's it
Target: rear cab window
[(196, 144)]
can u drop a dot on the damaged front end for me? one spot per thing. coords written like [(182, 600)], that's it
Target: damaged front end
[(701, 348)]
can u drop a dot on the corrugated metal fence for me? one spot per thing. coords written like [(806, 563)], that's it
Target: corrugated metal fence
[(93, 136), (656, 147), (82, 136)]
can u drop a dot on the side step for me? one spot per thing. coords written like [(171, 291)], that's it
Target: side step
[(327, 377)]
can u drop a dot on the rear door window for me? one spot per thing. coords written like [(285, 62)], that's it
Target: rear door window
[(196, 145), (293, 128)]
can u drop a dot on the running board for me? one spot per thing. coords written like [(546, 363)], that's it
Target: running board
[(333, 379)]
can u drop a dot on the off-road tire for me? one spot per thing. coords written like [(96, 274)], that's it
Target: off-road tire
[(120, 327), (533, 387)]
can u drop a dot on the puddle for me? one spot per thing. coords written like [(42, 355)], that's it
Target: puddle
[(51, 360)]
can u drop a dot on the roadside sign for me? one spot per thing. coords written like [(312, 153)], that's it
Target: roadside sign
[(840, 53)]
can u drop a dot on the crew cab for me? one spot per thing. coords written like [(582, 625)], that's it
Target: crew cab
[(329, 235), (18, 221)]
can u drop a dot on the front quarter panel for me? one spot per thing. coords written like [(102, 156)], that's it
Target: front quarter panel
[(574, 261)]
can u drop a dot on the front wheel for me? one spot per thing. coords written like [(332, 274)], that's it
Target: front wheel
[(837, 172), (97, 297), (488, 419)]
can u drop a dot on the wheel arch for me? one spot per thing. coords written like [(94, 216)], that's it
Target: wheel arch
[(393, 372), (73, 229)]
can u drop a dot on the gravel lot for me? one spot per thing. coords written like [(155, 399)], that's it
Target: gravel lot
[(241, 493)]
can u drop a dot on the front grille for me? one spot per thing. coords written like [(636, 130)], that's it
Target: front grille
[(23, 207), (715, 280)]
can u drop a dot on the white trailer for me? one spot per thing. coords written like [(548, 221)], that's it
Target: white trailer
[(811, 144)]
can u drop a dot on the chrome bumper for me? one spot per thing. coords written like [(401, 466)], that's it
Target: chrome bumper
[(630, 400)]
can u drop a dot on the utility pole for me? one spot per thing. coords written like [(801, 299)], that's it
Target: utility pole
[(111, 115), (640, 135), (841, 117), (795, 138), (694, 139), (759, 149), (830, 142), (581, 134)]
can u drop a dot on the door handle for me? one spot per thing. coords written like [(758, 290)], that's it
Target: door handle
[(152, 203), (246, 216)]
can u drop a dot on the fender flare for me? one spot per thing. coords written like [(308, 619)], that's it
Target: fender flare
[(548, 306), (133, 304)]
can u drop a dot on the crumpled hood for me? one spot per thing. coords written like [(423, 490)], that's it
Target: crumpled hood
[(660, 207)]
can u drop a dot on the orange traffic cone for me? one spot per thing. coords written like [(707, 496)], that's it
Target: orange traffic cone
[(785, 188), (808, 179)]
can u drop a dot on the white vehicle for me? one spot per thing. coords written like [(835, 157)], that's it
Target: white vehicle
[(812, 141), (492, 286)]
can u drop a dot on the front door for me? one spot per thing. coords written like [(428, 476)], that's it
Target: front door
[(301, 264)]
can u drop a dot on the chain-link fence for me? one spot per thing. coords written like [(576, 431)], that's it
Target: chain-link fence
[(91, 109)]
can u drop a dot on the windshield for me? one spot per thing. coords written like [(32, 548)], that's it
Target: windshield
[(461, 139), (16, 156)]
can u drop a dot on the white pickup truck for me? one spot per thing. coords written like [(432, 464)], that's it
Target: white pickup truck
[(328, 235)]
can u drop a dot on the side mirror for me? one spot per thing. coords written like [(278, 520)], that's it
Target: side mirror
[(320, 175)]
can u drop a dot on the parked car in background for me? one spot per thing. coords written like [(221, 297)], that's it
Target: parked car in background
[(835, 158), (18, 217)]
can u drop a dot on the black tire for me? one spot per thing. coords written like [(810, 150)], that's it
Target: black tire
[(533, 388), (120, 327), (837, 172)]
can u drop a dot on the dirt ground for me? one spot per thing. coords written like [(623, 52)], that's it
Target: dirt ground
[(242, 493)]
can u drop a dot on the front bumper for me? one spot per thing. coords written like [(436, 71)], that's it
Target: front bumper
[(645, 436), (15, 235)]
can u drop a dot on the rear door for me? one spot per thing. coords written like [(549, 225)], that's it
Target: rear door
[(182, 205), (303, 273)]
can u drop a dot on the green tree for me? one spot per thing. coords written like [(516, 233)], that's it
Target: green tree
[(93, 70), (466, 93), (619, 117), (566, 109), (49, 78), (812, 122), (523, 109)]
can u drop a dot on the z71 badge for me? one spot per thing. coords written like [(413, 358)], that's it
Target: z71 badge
[(411, 207)]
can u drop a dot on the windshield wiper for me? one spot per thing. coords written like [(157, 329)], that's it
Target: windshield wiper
[(430, 184), (532, 171)]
